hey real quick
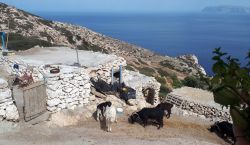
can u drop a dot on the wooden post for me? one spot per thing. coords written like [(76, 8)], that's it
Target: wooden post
[(77, 57), (112, 75), (120, 81)]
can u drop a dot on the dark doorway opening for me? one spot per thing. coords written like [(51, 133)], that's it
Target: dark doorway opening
[(149, 95)]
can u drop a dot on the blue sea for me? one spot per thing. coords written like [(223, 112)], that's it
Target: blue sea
[(171, 34)]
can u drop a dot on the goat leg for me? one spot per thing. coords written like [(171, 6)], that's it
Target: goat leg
[(160, 123), (145, 122)]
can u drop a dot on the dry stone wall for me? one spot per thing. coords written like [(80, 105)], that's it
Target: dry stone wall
[(8, 109), (103, 71), (7, 65), (201, 110), (140, 82), (67, 89)]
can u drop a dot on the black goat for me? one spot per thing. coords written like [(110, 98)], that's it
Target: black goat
[(166, 106), (224, 130), (155, 114)]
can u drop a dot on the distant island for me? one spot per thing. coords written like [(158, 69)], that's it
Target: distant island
[(227, 9)]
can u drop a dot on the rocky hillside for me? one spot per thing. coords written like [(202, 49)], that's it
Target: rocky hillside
[(27, 30)]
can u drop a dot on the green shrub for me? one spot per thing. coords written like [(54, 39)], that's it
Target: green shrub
[(130, 67), (164, 90), (176, 82), (86, 46), (19, 42), (195, 82), (45, 34), (161, 80), (162, 72), (146, 71), (191, 81), (231, 88), (46, 22), (165, 63), (66, 33)]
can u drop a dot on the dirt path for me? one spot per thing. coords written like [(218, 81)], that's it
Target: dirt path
[(176, 131)]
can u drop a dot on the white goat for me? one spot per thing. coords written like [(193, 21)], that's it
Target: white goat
[(110, 117)]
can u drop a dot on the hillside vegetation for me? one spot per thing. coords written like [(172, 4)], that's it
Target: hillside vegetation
[(27, 30)]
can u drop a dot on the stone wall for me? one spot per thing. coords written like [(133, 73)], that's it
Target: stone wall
[(103, 71), (198, 109), (67, 89), (8, 109), (140, 83), (7, 65)]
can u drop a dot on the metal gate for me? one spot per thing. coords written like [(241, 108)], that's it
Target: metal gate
[(35, 100)]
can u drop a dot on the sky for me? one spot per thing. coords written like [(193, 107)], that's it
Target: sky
[(119, 5)]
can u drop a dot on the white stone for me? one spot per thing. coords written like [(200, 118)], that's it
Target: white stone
[(62, 97), (53, 102), (66, 76), (185, 113), (12, 113), (67, 89), (74, 82), (5, 94), (62, 105), (74, 91), (72, 107), (2, 113), (53, 79), (57, 85), (51, 108), (87, 86), (69, 99), (79, 78), (49, 75), (51, 94), (51, 82), (66, 79), (87, 91)]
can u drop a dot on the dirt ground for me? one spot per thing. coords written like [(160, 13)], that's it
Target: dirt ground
[(176, 131)]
